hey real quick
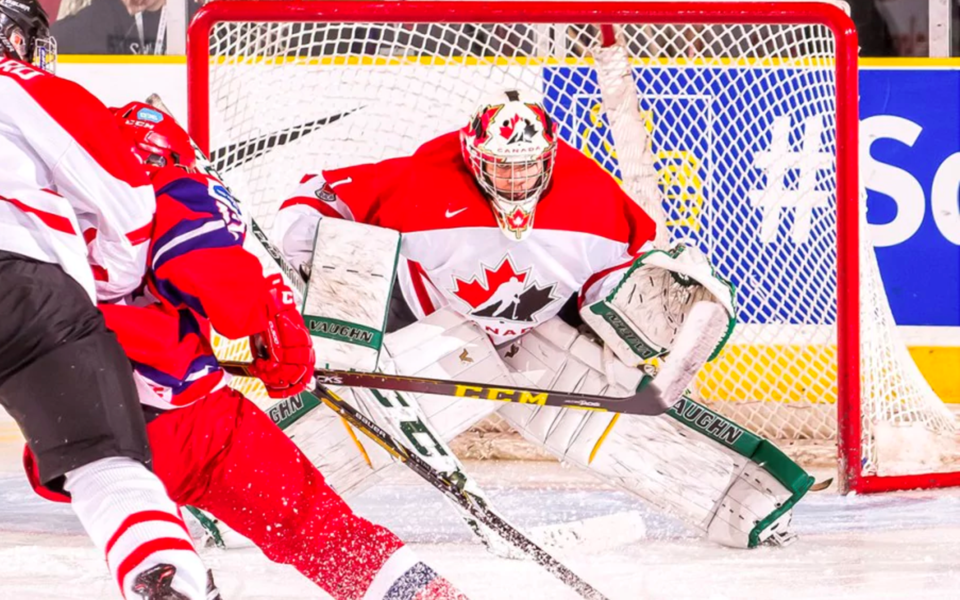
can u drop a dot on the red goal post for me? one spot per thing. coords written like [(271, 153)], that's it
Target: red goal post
[(218, 70)]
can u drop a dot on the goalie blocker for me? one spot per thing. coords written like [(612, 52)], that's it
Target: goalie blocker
[(692, 463)]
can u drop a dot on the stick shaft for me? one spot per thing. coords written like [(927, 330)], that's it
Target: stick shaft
[(640, 404)]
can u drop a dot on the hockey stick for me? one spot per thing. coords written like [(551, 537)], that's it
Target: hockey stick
[(693, 346), (452, 487), (638, 404), (654, 397)]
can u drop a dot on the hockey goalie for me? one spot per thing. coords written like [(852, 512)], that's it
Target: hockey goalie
[(521, 261)]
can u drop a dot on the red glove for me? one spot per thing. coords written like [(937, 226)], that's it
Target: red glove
[(283, 357)]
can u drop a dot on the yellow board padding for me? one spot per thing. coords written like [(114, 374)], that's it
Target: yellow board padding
[(774, 372), (909, 62), (807, 374), (121, 59), (940, 366)]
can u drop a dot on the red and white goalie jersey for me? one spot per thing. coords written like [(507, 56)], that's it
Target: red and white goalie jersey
[(200, 276), (587, 230), (66, 180)]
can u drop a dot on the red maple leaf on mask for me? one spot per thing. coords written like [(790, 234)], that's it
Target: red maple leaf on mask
[(506, 131), (480, 126), (518, 220), (479, 289)]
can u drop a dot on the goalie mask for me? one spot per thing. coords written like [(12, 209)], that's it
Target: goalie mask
[(157, 139), (509, 146), (25, 34)]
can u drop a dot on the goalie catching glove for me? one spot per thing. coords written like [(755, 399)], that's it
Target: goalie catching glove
[(641, 317), (283, 356)]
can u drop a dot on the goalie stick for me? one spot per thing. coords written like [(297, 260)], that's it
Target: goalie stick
[(688, 411), (296, 280), (651, 400)]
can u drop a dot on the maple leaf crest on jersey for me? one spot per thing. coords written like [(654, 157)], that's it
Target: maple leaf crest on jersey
[(504, 293)]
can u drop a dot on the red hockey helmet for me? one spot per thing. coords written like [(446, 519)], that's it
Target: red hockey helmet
[(157, 139)]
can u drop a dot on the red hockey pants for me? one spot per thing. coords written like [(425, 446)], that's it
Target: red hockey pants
[(224, 455)]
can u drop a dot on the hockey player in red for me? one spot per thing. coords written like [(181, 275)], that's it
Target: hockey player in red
[(75, 218), (462, 214), (213, 448)]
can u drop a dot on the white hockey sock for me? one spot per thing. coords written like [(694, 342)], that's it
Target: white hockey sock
[(126, 512)]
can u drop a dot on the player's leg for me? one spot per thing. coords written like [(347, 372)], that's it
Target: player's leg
[(68, 385), (226, 456)]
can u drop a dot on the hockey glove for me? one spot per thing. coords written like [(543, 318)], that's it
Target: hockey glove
[(641, 317), (283, 354)]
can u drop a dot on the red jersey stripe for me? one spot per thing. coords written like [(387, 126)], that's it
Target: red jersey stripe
[(598, 276), (139, 236), (87, 121), (417, 277), (55, 222)]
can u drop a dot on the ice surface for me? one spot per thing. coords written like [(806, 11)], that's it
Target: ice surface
[(903, 545)]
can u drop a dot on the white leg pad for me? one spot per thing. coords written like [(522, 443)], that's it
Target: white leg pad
[(752, 496), (340, 455), (555, 356), (348, 293), (672, 467)]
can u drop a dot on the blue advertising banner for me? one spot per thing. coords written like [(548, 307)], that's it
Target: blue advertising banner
[(910, 153), (774, 187)]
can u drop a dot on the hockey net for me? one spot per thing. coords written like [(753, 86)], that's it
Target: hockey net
[(734, 124)]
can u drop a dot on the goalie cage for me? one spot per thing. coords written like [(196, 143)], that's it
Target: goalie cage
[(733, 123)]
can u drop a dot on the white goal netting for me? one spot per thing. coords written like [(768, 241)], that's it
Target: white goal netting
[(728, 135)]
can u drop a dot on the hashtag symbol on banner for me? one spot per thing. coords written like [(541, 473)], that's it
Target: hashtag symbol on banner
[(777, 163)]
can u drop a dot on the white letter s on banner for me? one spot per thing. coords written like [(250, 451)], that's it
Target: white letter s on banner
[(892, 181)]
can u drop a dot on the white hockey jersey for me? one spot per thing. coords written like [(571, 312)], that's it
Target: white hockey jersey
[(586, 232), (71, 192)]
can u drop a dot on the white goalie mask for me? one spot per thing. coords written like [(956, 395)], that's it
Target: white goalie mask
[(509, 146)]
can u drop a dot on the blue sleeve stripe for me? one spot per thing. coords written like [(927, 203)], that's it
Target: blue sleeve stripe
[(191, 193), (176, 297), (211, 235), (199, 367), (181, 229)]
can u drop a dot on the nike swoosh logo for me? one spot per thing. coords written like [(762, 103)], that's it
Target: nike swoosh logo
[(454, 213), (248, 150)]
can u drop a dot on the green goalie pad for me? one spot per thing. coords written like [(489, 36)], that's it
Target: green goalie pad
[(728, 434)]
